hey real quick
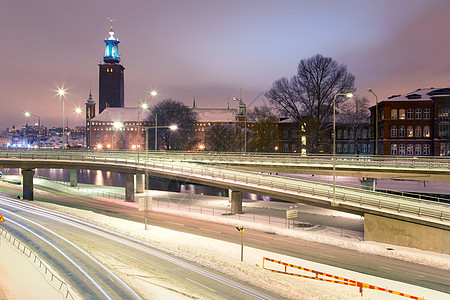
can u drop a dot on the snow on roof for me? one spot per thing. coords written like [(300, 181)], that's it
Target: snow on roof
[(420, 94), (122, 114), (216, 114)]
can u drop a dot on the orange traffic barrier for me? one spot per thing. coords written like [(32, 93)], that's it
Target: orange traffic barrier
[(339, 280)]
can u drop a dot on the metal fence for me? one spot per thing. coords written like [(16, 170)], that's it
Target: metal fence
[(57, 283)]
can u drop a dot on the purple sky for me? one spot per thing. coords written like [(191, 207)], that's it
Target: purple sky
[(212, 48)]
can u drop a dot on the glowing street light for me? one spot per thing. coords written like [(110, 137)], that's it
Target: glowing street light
[(28, 114), (62, 95), (348, 95)]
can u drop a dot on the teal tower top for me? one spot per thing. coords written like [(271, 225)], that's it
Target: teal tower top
[(111, 49)]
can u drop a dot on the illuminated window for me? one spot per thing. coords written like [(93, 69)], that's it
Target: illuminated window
[(393, 114), (402, 114), (426, 131), (303, 140), (410, 131)]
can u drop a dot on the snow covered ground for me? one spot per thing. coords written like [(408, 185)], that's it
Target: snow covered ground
[(225, 256)]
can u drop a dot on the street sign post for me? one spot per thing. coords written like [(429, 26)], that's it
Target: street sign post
[(241, 230), (291, 214), (145, 204)]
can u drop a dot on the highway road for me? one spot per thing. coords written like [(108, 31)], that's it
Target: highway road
[(76, 250), (412, 273)]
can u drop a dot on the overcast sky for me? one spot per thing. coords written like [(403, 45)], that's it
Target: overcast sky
[(212, 49)]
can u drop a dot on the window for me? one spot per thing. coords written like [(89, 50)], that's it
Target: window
[(364, 134), (418, 114), (106, 139), (410, 131), (426, 149), (402, 114), (443, 114), (418, 149), (394, 149), (364, 148), (418, 131), (98, 139), (426, 131), (401, 149), (401, 131), (339, 148), (410, 114), (352, 134), (345, 148), (303, 140), (114, 139), (339, 134), (285, 134), (286, 147), (345, 134), (426, 113), (393, 131), (352, 148), (445, 149), (444, 131), (394, 114), (410, 149)]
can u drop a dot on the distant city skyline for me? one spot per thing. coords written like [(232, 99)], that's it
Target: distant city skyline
[(210, 49)]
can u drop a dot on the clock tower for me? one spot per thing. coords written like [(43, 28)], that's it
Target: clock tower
[(111, 83)]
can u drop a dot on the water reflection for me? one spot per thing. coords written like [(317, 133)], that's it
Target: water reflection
[(107, 178)]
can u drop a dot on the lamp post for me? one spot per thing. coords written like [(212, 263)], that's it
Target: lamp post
[(28, 114), (242, 104), (143, 107), (376, 120), (62, 94), (348, 95)]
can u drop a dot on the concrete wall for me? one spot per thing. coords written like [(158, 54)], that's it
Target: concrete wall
[(402, 233)]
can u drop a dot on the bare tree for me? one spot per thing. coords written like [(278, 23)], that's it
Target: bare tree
[(264, 129), (308, 96), (170, 112), (353, 115), (224, 137)]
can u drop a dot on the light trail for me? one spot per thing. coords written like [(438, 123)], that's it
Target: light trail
[(137, 245)]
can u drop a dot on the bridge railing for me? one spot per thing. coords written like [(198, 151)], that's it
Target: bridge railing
[(385, 162), (359, 198)]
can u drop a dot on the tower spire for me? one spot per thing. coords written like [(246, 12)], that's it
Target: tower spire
[(111, 47)]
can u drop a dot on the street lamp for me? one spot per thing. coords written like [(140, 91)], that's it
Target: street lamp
[(143, 107), (376, 120), (348, 95), (242, 104), (28, 114), (62, 93)]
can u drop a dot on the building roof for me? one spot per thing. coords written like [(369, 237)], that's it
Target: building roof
[(122, 114), (216, 114), (420, 94)]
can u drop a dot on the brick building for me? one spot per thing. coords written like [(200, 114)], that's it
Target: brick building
[(414, 124)]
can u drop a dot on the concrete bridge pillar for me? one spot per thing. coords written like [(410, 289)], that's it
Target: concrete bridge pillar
[(368, 183), (129, 187), (236, 201), (73, 178), (27, 184), (140, 183)]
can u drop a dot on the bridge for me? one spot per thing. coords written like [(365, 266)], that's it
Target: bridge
[(388, 218)]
